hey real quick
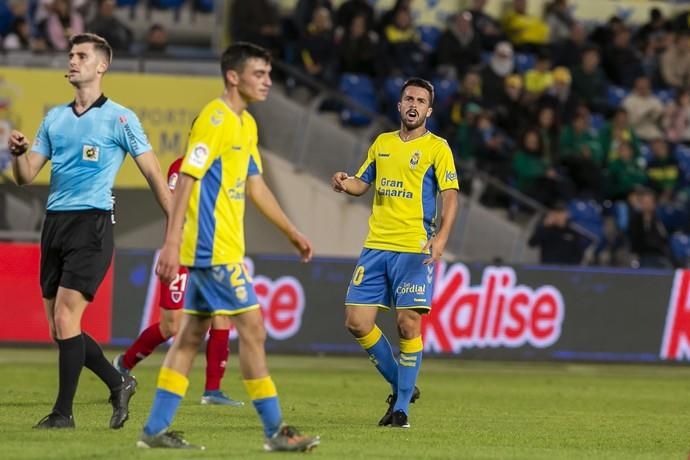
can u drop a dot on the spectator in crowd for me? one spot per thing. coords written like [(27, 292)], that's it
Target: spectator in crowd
[(303, 13), (349, 9), (603, 34), (621, 61), (645, 110), (549, 130), (465, 138), (675, 62), (559, 19), (560, 95), (662, 170), (156, 41), (63, 22), (403, 53), (458, 47), (316, 50), (589, 82), (388, 17), (358, 50), (581, 156), (526, 32), (616, 132), (655, 29), (677, 118), (19, 37), (648, 237), (485, 26), (568, 52), (493, 149), (493, 74), (256, 21), (624, 173), (535, 173), (511, 112), (540, 78), (108, 26), (557, 241)]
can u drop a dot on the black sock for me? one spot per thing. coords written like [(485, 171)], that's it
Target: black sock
[(97, 363), (70, 362)]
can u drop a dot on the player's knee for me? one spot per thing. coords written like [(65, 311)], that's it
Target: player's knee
[(169, 328), (63, 321), (409, 327), (359, 327)]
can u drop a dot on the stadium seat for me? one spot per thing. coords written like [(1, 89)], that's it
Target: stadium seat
[(587, 214), (203, 6), (359, 88), (680, 248), (673, 217), (391, 96), (682, 154), (429, 36), (615, 95), (127, 3), (645, 152), (665, 95), (524, 62), (597, 121), (444, 90), (166, 4)]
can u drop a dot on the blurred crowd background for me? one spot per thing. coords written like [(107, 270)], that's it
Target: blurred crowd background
[(589, 118)]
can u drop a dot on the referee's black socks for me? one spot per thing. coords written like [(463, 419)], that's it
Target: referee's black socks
[(97, 363), (70, 362)]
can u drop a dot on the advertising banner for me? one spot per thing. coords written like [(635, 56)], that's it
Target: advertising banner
[(21, 304), (479, 312), (166, 106)]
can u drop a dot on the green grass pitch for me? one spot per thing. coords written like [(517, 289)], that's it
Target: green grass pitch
[(468, 410)]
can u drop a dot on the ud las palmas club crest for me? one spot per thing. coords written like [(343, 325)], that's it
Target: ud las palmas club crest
[(415, 159)]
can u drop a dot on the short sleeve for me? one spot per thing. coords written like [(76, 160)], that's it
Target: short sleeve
[(130, 134), (255, 166), (367, 172), (444, 165), (42, 141), (205, 143)]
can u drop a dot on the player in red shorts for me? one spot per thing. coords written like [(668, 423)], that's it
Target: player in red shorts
[(171, 303)]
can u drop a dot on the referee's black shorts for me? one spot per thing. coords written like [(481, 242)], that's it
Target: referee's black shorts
[(76, 250)]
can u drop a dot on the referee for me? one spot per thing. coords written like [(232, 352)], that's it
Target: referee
[(86, 142)]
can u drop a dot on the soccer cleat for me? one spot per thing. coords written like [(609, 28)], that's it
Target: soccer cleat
[(119, 364), (217, 397), (399, 420), (55, 420), (288, 439), (120, 402), (386, 419), (166, 440)]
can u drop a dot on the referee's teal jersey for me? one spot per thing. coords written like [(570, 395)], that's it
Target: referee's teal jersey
[(86, 152)]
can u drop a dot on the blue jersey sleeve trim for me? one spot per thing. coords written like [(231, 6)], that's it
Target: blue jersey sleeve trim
[(369, 174), (253, 169)]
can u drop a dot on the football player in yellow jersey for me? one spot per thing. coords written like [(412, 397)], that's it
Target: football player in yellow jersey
[(206, 234), (408, 168)]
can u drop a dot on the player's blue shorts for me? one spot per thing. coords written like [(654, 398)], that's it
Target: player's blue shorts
[(220, 290), (387, 279)]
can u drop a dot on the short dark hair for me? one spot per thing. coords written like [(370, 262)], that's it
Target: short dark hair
[(99, 43), (237, 55), (419, 83)]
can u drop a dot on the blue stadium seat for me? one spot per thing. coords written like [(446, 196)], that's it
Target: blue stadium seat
[(680, 248), (587, 214), (127, 3), (429, 35), (597, 121), (645, 152), (167, 4), (665, 95), (621, 213), (391, 96), (524, 62), (682, 154), (359, 88), (444, 90), (673, 217), (203, 6), (615, 95)]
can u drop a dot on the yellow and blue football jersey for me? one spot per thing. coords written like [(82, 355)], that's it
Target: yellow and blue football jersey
[(221, 153), (407, 177)]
